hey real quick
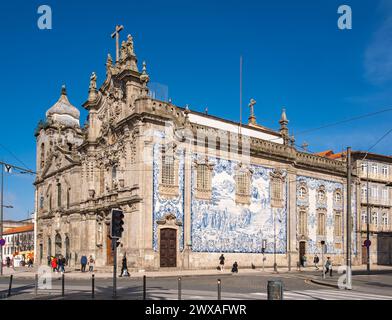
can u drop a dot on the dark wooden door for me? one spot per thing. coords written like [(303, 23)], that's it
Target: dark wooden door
[(168, 248), (109, 249), (364, 255)]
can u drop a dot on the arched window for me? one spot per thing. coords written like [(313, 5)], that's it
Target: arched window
[(67, 248), (59, 195), (42, 157), (41, 201), (364, 217), (68, 197), (302, 223), (58, 245), (338, 197), (302, 192), (385, 219), (49, 247), (321, 197), (375, 218), (50, 201)]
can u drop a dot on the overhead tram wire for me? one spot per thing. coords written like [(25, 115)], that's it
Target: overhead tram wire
[(339, 122), (15, 157)]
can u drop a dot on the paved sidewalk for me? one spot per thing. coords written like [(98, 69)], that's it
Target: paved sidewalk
[(24, 272)]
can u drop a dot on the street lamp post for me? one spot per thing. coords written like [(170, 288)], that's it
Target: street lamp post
[(1, 217), (275, 264)]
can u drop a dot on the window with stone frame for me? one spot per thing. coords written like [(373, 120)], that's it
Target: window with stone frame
[(385, 220), (167, 169), (42, 157), (243, 183), (276, 185), (168, 172), (375, 218), (337, 197), (321, 220), (59, 197), (338, 224), (321, 195), (302, 223), (203, 180), (302, 192)]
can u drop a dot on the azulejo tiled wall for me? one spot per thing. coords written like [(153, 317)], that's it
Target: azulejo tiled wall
[(311, 203), (163, 206), (222, 225)]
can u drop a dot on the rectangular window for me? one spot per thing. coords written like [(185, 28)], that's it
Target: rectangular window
[(374, 168), (302, 223), (242, 183), (167, 170), (321, 224), (203, 177), (364, 167), (385, 171), (338, 225)]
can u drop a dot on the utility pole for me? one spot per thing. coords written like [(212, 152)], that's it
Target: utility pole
[(348, 222), (1, 217), (367, 220)]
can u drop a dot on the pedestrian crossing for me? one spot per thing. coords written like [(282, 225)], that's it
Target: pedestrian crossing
[(327, 294)]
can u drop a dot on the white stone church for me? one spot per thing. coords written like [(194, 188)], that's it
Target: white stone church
[(192, 186)]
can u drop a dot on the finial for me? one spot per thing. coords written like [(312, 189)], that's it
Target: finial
[(63, 90), (252, 118), (206, 110), (109, 60), (170, 100), (283, 118), (144, 77)]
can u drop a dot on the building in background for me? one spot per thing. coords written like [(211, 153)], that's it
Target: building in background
[(374, 181), (19, 242)]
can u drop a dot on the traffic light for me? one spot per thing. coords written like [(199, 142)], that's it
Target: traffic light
[(117, 222)]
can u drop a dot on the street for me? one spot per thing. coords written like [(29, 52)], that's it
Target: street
[(297, 286)]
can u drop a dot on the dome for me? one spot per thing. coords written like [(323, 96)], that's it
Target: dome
[(63, 111)]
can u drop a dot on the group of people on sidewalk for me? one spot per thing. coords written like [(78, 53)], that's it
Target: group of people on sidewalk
[(316, 260), (90, 262), (57, 263), (221, 266)]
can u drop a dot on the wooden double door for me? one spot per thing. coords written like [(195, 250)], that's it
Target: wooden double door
[(168, 248)]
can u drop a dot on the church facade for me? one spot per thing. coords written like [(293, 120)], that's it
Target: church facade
[(192, 186)]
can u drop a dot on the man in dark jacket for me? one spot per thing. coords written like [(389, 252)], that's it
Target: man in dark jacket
[(83, 262)]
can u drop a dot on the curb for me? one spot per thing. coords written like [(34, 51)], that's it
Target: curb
[(322, 283)]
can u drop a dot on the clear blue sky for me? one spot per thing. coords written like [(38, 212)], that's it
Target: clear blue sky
[(294, 56)]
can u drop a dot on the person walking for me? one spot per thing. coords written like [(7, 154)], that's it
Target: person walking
[(124, 268), (328, 266), (316, 260), (83, 262), (303, 261), (54, 264), (8, 262), (222, 262), (61, 262), (91, 263), (234, 269)]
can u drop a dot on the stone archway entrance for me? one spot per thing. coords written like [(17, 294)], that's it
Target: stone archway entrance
[(302, 249), (168, 247)]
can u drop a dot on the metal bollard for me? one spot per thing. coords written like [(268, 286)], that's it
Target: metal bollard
[(144, 287), (275, 290), (10, 286), (36, 285), (92, 286), (62, 285), (219, 289), (179, 288)]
